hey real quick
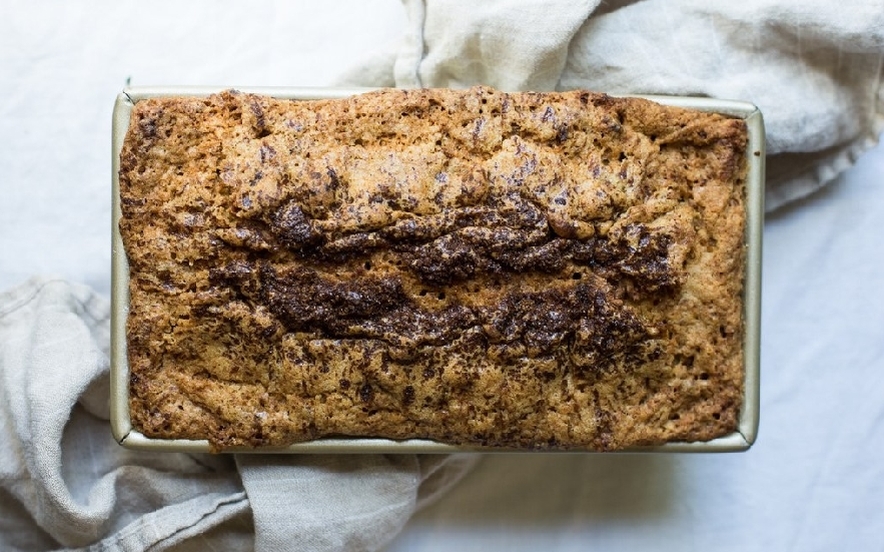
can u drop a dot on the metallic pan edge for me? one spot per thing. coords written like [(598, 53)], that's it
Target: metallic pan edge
[(740, 440)]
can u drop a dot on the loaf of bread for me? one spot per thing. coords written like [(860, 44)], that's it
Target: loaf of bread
[(518, 270)]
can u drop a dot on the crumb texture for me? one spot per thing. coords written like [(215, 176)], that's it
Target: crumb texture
[(557, 270)]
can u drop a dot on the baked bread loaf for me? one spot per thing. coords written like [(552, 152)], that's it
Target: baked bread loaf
[(519, 270)]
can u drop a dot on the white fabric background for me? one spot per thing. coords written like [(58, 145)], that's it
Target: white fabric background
[(812, 482)]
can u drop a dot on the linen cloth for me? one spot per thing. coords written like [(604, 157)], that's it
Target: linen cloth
[(64, 482), (814, 68)]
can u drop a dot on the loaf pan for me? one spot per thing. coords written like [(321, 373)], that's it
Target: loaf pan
[(128, 437)]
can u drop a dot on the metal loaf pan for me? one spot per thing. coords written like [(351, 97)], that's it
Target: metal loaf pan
[(740, 440)]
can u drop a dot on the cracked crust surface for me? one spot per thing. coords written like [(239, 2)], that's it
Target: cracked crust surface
[(557, 270)]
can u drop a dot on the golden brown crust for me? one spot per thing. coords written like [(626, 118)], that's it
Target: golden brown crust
[(525, 270)]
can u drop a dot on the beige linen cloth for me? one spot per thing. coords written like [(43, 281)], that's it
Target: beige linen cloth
[(813, 67), (64, 482)]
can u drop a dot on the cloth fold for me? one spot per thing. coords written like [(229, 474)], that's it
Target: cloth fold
[(341, 502), (814, 68), (64, 482)]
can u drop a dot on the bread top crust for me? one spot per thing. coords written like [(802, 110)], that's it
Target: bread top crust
[(559, 270)]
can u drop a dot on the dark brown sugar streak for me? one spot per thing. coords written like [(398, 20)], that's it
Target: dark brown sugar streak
[(519, 270)]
